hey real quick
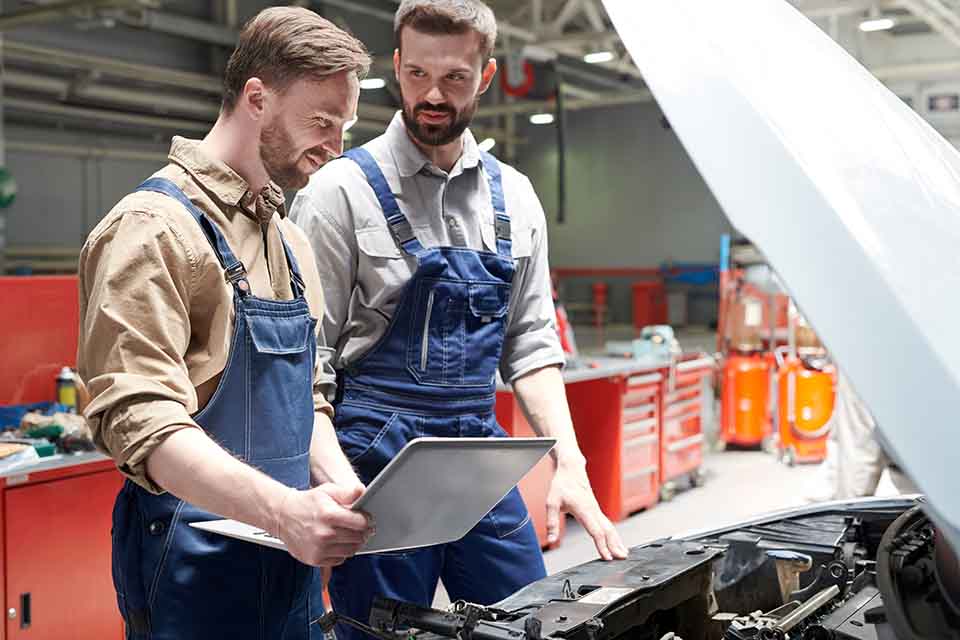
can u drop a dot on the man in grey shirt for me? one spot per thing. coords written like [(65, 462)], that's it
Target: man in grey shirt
[(434, 260)]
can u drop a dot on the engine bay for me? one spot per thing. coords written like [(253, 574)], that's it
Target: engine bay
[(863, 570)]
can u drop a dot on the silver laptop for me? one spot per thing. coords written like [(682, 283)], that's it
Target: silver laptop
[(433, 492)]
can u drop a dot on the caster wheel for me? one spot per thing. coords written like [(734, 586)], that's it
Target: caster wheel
[(698, 478), (667, 492), (769, 444), (789, 457)]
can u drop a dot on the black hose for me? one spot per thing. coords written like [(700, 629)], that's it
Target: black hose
[(561, 118)]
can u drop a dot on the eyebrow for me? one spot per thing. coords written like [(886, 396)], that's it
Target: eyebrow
[(410, 65)]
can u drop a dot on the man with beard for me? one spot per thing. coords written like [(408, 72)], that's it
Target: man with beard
[(434, 258), (197, 345)]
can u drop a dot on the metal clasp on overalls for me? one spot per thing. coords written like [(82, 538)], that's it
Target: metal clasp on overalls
[(237, 275)]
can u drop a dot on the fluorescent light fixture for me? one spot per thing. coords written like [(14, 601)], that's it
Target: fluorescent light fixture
[(369, 84), (541, 118), (877, 24), (487, 144), (598, 57)]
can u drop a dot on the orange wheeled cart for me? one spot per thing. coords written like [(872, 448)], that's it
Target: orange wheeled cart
[(745, 418)]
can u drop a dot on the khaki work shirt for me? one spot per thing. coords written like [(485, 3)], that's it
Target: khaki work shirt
[(365, 272), (156, 313)]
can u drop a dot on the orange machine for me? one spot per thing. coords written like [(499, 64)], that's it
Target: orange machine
[(806, 395), (744, 412)]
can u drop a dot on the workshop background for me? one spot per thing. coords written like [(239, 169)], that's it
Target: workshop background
[(698, 391)]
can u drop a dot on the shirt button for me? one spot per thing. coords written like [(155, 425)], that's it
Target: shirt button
[(157, 527)]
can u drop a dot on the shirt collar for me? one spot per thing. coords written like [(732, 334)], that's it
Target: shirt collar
[(411, 160), (224, 183)]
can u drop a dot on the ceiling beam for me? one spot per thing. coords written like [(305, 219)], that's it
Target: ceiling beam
[(569, 11), (942, 19), (31, 16), (182, 26), (154, 123), (594, 15), (827, 8)]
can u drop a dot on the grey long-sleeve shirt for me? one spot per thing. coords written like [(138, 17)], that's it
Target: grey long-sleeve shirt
[(364, 271)]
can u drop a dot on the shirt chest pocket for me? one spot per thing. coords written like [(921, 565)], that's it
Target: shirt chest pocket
[(521, 239), (384, 268)]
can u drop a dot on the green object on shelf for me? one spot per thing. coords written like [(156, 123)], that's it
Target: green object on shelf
[(50, 432), (8, 188), (44, 448)]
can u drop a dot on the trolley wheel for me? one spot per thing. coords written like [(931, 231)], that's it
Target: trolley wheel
[(789, 457), (698, 478), (769, 444), (667, 492)]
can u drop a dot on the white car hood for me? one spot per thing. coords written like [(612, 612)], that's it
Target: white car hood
[(851, 196)]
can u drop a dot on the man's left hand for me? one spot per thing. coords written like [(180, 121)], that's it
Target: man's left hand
[(570, 492)]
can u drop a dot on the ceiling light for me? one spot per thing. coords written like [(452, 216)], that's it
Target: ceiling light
[(487, 144), (541, 118), (598, 57), (877, 24), (372, 83)]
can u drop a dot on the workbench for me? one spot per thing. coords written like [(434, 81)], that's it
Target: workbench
[(55, 521)]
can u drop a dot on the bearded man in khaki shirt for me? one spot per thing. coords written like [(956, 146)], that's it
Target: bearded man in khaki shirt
[(199, 313)]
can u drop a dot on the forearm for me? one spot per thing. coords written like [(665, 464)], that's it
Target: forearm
[(327, 461), (543, 399), (194, 468)]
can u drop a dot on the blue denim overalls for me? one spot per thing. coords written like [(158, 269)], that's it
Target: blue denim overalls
[(433, 374), (175, 582)]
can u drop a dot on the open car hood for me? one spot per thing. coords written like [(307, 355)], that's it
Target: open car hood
[(851, 196)]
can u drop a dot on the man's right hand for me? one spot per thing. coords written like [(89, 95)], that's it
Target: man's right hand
[(318, 526)]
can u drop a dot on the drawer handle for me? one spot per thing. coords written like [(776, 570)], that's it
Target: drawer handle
[(640, 441), (639, 409), (636, 381), (681, 407), (639, 427), (640, 473), (702, 363), (686, 443), (25, 613)]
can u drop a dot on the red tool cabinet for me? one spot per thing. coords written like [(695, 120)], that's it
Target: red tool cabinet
[(681, 434), (616, 417), (55, 550)]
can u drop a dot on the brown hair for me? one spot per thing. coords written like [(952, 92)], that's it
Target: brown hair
[(280, 45), (448, 17)]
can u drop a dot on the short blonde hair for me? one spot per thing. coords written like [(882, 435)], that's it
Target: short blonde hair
[(448, 17), (280, 45)]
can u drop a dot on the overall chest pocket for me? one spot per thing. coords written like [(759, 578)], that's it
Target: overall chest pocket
[(277, 393), (458, 332)]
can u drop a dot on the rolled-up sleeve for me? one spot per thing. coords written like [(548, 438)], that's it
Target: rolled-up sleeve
[(136, 279), (532, 341)]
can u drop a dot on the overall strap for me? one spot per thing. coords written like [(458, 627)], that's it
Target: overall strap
[(399, 225), (501, 220), (235, 272)]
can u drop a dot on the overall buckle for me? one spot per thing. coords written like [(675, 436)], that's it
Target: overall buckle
[(401, 230), (237, 276)]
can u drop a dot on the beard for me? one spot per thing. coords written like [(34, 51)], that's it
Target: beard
[(438, 135), (275, 145)]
